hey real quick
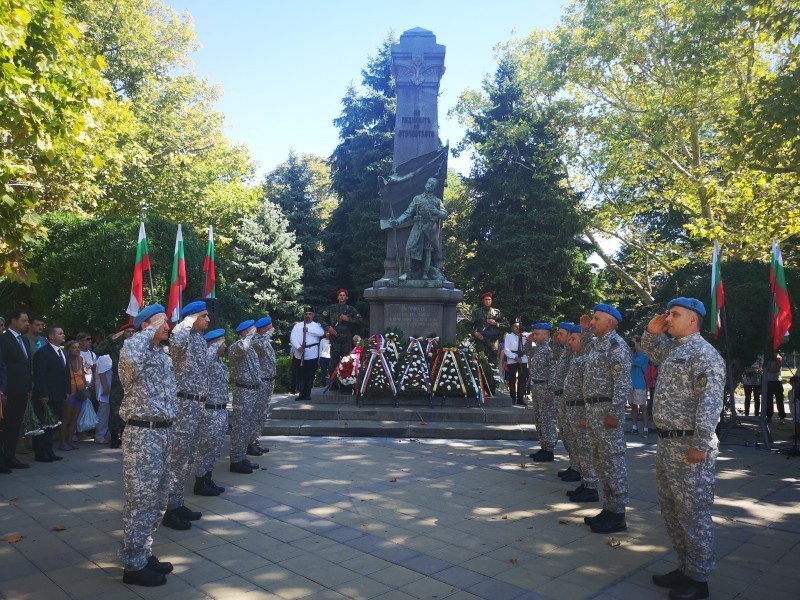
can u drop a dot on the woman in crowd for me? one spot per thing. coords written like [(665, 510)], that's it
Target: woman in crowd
[(72, 407)]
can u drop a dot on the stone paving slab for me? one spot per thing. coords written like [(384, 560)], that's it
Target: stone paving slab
[(396, 518)]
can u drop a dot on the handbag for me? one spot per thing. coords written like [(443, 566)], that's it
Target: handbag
[(87, 419)]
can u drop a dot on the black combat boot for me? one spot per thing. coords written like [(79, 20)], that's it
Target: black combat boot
[(254, 450), (212, 484), (158, 566), (673, 579), (201, 487), (174, 521), (544, 456), (250, 464), (240, 467), (115, 442), (145, 576), (188, 515), (612, 524), (693, 590), (598, 518), (585, 495)]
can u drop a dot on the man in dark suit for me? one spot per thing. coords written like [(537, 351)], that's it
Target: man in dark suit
[(17, 356), (51, 386), (3, 384)]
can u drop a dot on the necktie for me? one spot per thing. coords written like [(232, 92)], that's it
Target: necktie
[(22, 345), (61, 354)]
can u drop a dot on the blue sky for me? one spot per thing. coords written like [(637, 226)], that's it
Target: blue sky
[(285, 66)]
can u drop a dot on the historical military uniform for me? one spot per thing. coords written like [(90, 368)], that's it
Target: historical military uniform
[(514, 348), (189, 352), (606, 390), (214, 420), (246, 385), (342, 342), (491, 333), (149, 411), (267, 365), (540, 365), (686, 409), (306, 359)]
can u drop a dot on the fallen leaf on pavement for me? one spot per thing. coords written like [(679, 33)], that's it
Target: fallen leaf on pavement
[(12, 538), (613, 542), (504, 517), (563, 522), (59, 528), (393, 480), (513, 561)]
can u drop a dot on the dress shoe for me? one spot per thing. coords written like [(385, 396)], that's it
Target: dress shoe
[(16, 463), (250, 464), (598, 518), (577, 490), (570, 476), (253, 450), (202, 488), (612, 524), (188, 515), (673, 579), (159, 567), (212, 484), (585, 495), (54, 457), (146, 577), (44, 459), (173, 521), (240, 467), (693, 590), (544, 456)]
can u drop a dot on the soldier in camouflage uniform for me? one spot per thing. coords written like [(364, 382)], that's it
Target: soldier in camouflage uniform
[(189, 352), (339, 320), (148, 408), (487, 324), (540, 365), (267, 362), (246, 385), (606, 390), (574, 431), (214, 419), (686, 409), (562, 358), (112, 346)]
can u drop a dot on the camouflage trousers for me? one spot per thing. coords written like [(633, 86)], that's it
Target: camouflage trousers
[(544, 415), (213, 427), (608, 456), (244, 402), (259, 415), (561, 422), (187, 432), (686, 494), (145, 481), (579, 443)]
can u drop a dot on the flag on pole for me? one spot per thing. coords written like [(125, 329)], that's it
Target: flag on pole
[(178, 281), (141, 265), (781, 315), (210, 268), (717, 293)]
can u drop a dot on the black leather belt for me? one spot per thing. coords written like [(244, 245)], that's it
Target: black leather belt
[(575, 403), (559, 393), (248, 386), (597, 399), (197, 397), (216, 406), (675, 433), (268, 378), (538, 380), (149, 424)]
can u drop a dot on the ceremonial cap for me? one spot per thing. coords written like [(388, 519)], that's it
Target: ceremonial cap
[(214, 335), (572, 328), (608, 309), (146, 313), (565, 325), (342, 291), (245, 325), (263, 322), (517, 321), (126, 326), (193, 308), (543, 326), (308, 309), (487, 295), (690, 303)]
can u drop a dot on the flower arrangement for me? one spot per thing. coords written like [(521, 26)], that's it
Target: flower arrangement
[(347, 371), (413, 372), (375, 376)]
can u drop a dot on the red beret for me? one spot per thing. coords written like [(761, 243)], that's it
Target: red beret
[(127, 326), (486, 295), (342, 291)]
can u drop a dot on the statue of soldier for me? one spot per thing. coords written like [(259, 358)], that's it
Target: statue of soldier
[(487, 324), (339, 319), (423, 241)]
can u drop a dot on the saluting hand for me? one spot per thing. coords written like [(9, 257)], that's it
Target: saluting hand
[(657, 324), (610, 422), (585, 322)]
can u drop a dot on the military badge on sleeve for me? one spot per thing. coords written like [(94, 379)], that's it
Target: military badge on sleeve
[(702, 381), (617, 366)]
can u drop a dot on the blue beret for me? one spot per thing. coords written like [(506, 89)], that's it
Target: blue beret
[(193, 308), (690, 303), (146, 313), (608, 309), (245, 325), (574, 328), (565, 325), (545, 326), (263, 322), (214, 335)]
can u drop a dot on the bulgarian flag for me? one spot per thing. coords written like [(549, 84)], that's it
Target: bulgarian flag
[(717, 292), (178, 281), (210, 268), (781, 314), (136, 303)]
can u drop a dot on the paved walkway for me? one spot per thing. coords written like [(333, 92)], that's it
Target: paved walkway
[(393, 519)]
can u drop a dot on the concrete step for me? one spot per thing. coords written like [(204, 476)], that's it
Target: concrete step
[(313, 412), (401, 429), (318, 396)]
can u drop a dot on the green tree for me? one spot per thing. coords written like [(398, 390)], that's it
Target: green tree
[(353, 241), (457, 247), (301, 187), (525, 224), (264, 265)]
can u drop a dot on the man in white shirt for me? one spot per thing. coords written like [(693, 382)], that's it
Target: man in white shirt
[(305, 338), (103, 385), (514, 349)]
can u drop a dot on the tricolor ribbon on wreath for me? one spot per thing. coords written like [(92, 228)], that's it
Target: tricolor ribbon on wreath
[(431, 342), (443, 356), (377, 355), (475, 385), (415, 347)]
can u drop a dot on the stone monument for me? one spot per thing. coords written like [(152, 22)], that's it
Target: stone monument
[(413, 293)]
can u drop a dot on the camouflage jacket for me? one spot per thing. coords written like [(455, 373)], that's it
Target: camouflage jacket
[(330, 317), (573, 381), (147, 378), (540, 360), (690, 384), (608, 370), (217, 378), (266, 354), (479, 325), (562, 356), (189, 352), (244, 360)]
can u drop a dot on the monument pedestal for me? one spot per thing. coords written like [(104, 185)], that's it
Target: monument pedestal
[(418, 308)]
